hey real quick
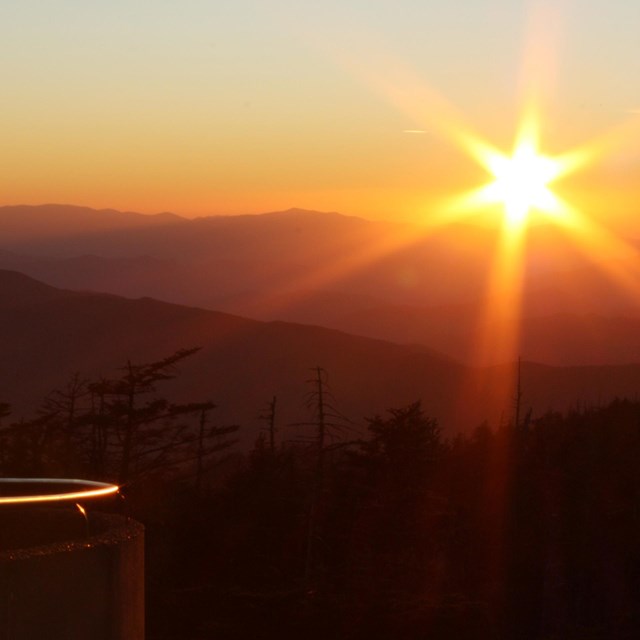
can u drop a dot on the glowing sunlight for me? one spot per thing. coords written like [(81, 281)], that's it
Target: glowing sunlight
[(522, 182)]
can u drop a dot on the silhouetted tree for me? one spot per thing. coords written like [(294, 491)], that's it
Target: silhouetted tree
[(403, 447), (329, 424), (270, 419), (117, 428), (31, 448), (130, 424), (5, 411), (210, 440)]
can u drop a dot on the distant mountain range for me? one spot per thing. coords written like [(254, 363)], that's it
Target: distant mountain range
[(375, 279), (46, 334)]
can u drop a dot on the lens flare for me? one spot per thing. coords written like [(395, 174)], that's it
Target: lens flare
[(523, 185), (522, 182)]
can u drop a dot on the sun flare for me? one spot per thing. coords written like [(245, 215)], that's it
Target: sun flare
[(522, 182)]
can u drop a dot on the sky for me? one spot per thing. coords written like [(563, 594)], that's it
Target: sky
[(246, 106)]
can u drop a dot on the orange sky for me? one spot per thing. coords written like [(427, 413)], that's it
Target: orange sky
[(250, 107)]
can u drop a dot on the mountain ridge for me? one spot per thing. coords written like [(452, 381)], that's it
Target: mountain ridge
[(367, 278), (243, 363)]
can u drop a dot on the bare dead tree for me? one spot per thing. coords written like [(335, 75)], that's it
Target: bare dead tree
[(328, 424)]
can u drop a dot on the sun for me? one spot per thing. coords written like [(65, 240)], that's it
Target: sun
[(521, 182)]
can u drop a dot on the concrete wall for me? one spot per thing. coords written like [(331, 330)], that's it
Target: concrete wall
[(87, 588)]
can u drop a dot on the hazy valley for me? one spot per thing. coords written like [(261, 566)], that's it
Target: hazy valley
[(380, 280), (264, 295)]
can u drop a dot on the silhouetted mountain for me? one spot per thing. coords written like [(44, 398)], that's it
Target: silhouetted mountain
[(48, 334), (559, 338), (54, 222), (305, 250), (18, 291), (51, 333), (561, 325), (375, 279)]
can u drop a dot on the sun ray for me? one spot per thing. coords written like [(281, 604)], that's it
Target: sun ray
[(521, 185), (617, 258), (521, 182), (624, 135), (311, 280), (498, 324)]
